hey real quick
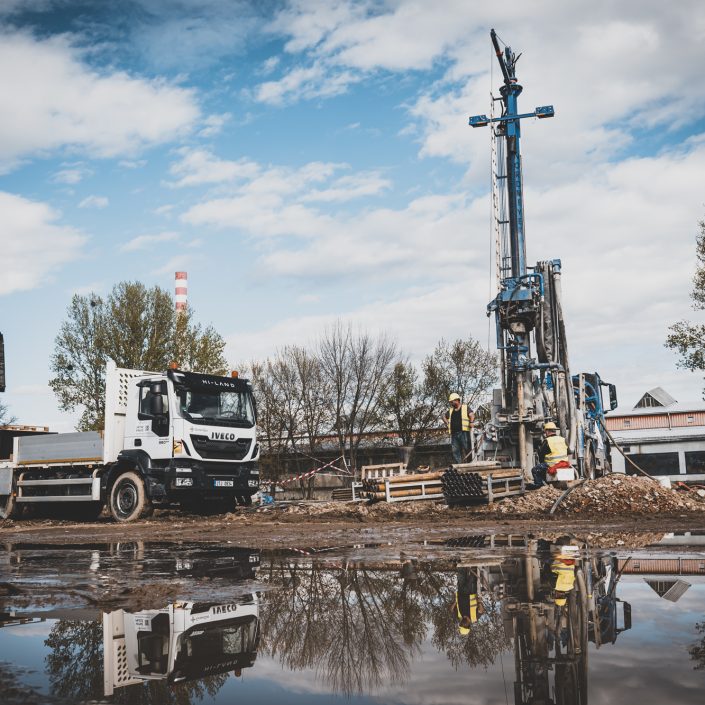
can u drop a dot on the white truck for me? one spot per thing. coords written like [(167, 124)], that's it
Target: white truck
[(174, 438), (182, 642)]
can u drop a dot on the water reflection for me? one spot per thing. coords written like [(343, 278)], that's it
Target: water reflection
[(359, 627)]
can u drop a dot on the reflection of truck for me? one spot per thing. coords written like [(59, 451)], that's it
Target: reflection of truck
[(170, 438), (181, 642)]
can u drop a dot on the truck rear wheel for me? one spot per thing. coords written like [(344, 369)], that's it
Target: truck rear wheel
[(9, 509), (128, 498)]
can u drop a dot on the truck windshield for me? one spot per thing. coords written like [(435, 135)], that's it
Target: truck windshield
[(222, 408), (216, 648)]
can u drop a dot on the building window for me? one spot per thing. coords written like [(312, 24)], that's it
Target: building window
[(654, 463), (627, 449), (695, 461), (690, 419), (627, 423)]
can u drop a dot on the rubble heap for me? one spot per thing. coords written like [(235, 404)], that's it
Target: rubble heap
[(613, 495)]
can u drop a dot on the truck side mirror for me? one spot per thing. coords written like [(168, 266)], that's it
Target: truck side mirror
[(613, 397), (156, 402)]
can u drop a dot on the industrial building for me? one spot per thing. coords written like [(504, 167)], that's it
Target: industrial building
[(662, 436)]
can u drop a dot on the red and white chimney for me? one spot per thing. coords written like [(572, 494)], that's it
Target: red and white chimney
[(180, 291)]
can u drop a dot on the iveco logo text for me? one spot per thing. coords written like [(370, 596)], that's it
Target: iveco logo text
[(223, 609), (222, 436)]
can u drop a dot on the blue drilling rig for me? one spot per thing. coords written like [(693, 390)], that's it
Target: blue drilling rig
[(536, 384)]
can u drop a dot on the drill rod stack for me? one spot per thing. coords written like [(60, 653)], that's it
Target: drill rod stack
[(459, 487)]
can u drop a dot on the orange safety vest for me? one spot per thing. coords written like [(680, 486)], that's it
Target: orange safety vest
[(559, 450), (466, 420)]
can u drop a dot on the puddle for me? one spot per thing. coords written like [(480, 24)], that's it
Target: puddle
[(482, 619)]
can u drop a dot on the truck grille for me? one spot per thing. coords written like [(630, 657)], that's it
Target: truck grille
[(221, 450)]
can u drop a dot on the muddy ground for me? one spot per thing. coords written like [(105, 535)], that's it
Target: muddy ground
[(280, 528), (609, 506)]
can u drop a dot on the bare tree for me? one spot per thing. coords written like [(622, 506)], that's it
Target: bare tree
[(356, 366), (5, 417), (411, 404), (269, 419), (463, 367)]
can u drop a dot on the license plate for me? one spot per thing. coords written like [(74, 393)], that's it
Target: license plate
[(253, 483), (223, 483)]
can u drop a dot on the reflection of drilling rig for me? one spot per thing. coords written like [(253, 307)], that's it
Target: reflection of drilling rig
[(536, 384), (554, 606)]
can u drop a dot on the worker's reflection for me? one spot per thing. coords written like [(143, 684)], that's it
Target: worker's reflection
[(563, 568), (467, 606)]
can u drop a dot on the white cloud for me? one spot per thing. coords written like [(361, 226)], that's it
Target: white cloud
[(214, 124), (165, 210), (143, 242), (132, 163), (270, 64), (94, 202), (34, 245), (71, 174), (58, 101), (349, 187), (200, 166), (316, 81)]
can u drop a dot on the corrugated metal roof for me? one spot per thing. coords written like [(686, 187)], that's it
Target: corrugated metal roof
[(677, 408), (660, 396), (671, 590)]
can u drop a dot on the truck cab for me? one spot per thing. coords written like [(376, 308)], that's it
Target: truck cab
[(193, 436), (182, 642)]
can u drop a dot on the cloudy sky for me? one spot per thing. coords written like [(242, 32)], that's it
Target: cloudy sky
[(310, 160)]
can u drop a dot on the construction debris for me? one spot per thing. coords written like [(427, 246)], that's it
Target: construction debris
[(611, 496)]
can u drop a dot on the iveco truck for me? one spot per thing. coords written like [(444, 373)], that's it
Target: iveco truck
[(171, 439)]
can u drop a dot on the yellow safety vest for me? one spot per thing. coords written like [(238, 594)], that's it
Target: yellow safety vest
[(473, 607), (467, 423), (559, 450), (565, 576)]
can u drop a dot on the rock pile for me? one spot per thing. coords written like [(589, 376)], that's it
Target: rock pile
[(613, 496), (533, 502)]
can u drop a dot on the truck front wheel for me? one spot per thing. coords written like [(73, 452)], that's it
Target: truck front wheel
[(128, 498)]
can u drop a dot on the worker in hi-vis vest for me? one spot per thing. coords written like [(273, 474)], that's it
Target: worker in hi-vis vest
[(460, 418), (466, 603), (553, 454)]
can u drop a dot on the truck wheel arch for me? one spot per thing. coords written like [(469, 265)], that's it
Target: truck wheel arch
[(128, 461)]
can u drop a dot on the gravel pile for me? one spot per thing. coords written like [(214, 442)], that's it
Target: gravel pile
[(533, 502), (614, 495)]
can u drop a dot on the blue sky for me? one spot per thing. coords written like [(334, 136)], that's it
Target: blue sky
[(307, 161)]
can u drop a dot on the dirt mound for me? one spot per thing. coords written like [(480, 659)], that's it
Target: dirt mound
[(533, 502), (357, 511), (611, 496)]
